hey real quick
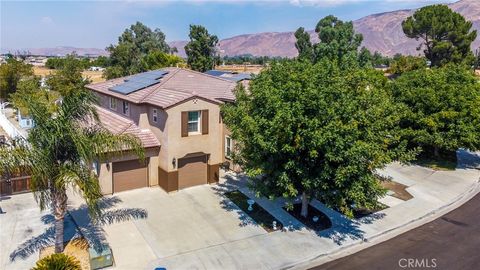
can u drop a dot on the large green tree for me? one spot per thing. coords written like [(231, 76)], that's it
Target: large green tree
[(442, 108), (304, 45), (157, 59), (135, 43), (365, 58), (407, 63), (61, 148), (201, 50), (316, 131), (337, 39), (11, 73), (446, 35)]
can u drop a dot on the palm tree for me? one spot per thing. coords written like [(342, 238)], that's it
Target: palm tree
[(60, 150)]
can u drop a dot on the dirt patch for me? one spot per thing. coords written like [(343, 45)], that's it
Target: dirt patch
[(322, 223), (258, 214), (399, 190), (77, 248), (94, 76), (361, 212), (255, 69)]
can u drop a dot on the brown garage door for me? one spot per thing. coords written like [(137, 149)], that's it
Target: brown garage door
[(192, 171), (129, 175)]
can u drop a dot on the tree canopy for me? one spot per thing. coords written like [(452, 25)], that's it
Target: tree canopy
[(201, 50), (158, 59), (337, 38), (133, 45), (11, 73), (446, 35), (407, 63), (442, 108), (304, 45), (338, 41), (316, 131)]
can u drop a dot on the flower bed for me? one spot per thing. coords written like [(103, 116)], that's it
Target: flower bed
[(322, 223), (258, 214)]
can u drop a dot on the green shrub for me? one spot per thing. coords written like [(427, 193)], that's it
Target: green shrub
[(58, 261)]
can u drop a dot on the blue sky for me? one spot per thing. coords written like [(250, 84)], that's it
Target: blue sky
[(96, 24)]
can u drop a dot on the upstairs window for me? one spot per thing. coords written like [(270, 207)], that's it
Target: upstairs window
[(126, 108), (228, 147), (194, 121), (113, 103), (155, 115)]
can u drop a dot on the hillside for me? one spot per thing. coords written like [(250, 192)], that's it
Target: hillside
[(381, 32)]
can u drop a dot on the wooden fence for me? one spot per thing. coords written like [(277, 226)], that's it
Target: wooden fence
[(15, 185)]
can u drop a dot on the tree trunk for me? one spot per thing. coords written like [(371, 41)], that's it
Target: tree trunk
[(59, 202), (436, 152), (304, 212)]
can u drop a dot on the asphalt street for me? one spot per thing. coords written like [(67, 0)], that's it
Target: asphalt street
[(451, 242)]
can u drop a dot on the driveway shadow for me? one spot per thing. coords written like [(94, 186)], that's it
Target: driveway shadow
[(342, 228), (45, 239), (232, 183), (467, 159), (78, 223)]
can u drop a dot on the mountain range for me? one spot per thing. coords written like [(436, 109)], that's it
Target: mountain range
[(381, 32)]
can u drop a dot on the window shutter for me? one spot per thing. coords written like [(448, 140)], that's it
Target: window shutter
[(184, 124), (204, 121)]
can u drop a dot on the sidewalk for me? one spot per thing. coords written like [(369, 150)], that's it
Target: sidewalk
[(434, 192)]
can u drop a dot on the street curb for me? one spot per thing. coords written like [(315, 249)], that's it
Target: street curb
[(367, 242)]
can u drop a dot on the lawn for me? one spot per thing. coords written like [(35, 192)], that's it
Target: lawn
[(437, 165), (322, 223), (258, 214)]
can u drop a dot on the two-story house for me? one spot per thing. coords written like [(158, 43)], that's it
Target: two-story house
[(176, 115)]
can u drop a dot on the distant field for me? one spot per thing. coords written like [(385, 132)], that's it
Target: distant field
[(95, 76), (255, 69)]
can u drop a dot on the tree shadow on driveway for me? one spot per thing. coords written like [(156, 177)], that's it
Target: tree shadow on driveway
[(342, 230), (78, 223), (232, 183)]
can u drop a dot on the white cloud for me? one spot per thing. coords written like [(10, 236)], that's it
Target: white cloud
[(46, 20)]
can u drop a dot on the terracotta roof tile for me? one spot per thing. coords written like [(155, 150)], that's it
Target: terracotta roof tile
[(175, 87), (120, 125)]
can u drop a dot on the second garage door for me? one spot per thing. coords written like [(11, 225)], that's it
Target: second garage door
[(192, 171), (128, 175)]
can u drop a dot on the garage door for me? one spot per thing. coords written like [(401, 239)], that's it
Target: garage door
[(192, 171), (129, 175)]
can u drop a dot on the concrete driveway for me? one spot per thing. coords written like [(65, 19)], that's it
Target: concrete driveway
[(177, 223), (24, 230)]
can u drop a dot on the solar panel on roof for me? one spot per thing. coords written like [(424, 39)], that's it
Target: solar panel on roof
[(139, 81), (215, 72)]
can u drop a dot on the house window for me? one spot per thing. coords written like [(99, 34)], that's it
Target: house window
[(96, 168), (194, 121), (126, 108), (113, 103), (155, 115), (228, 147)]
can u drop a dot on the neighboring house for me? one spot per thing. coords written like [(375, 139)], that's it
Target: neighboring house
[(243, 78), (25, 122), (176, 114)]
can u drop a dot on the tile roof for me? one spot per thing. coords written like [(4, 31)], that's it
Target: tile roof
[(231, 76), (120, 125), (176, 86)]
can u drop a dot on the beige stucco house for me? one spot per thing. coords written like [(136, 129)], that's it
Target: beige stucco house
[(176, 115)]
